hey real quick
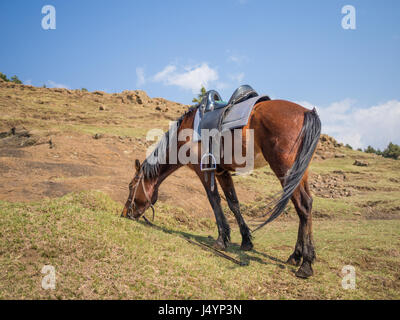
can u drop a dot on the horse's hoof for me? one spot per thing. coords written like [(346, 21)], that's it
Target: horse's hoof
[(219, 245), (247, 246), (293, 261), (305, 271)]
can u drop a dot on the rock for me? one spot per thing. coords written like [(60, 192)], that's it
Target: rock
[(99, 93), (136, 96), (97, 136), (102, 108), (158, 108), (360, 163), (340, 155)]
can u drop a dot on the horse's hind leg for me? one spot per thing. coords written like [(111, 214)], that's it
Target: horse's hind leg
[(225, 180), (304, 247), (302, 201)]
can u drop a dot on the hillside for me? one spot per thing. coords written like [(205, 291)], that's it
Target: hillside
[(66, 158)]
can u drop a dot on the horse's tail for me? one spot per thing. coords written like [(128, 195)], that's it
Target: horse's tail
[(310, 136)]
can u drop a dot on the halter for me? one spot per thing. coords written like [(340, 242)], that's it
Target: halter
[(132, 199)]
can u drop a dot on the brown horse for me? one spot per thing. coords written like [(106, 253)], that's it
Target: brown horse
[(285, 137)]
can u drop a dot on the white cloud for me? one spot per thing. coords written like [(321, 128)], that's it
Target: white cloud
[(52, 84), (192, 77), (237, 59), (238, 77), (140, 77), (165, 73), (222, 86), (376, 126)]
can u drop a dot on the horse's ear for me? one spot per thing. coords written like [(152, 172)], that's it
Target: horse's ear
[(137, 165)]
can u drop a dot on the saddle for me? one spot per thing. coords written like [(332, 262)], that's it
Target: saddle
[(214, 109), (214, 113)]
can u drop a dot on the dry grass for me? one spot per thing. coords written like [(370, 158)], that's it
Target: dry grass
[(98, 255)]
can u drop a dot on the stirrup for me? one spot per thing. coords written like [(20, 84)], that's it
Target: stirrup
[(212, 166)]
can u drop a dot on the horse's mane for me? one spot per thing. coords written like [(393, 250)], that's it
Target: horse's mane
[(151, 164)]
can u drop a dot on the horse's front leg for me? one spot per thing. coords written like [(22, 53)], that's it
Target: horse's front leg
[(226, 182), (224, 231)]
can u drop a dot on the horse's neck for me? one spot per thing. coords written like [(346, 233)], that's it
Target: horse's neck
[(166, 170)]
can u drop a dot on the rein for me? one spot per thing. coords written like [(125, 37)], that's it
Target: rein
[(132, 199)]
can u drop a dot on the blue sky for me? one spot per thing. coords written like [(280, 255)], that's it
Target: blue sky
[(294, 50)]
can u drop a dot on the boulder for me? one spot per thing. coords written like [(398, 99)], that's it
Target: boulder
[(340, 155), (360, 163)]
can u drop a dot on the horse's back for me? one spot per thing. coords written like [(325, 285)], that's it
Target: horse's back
[(278, 115)]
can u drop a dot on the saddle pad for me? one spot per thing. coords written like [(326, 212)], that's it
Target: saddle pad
[(237, 116)]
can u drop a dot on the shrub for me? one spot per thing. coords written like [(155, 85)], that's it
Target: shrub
[(392, 151), (370, 150), (4, 77), (16, 80)]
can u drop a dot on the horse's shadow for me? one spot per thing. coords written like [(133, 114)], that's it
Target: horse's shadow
[(245, 257)]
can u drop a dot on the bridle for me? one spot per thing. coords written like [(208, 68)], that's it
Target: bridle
[(131, 200)]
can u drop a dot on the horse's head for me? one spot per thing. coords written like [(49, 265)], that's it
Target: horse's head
[(142, 195)]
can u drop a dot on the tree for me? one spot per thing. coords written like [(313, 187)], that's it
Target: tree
[(200, 96), (370, 150), (84, 90), (349, 146), (4, 77), (16, 80), (392, 151)]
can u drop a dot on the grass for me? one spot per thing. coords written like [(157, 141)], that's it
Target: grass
[(97, 254)]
